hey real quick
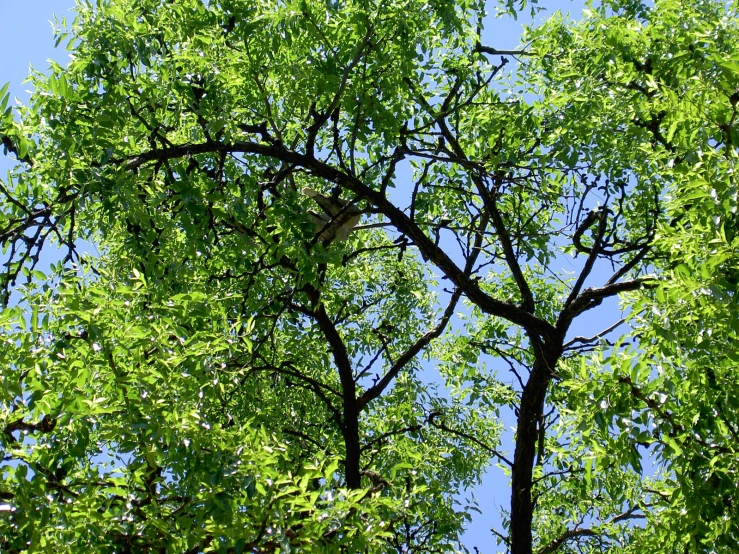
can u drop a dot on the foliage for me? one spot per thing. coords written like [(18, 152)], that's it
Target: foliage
[(228, 374)]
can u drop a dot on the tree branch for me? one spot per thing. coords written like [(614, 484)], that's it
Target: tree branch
[(587, 532), (397, 217), (351, 409), (495, 52), (46, 425), (376, 390)]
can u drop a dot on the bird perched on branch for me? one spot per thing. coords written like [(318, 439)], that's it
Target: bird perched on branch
[(337, 219)]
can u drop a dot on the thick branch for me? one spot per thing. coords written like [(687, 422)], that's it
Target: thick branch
[(592, 297), (350, 423), (397, 217), (488, 198), (491, 205), (46, 425), (602, 217)]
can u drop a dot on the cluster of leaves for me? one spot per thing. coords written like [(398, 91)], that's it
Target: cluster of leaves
[(671, 401), (223, 377)]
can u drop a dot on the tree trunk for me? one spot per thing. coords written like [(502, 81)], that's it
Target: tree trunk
[(350, 432), (529, 417)]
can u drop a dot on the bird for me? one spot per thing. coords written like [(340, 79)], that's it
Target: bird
[(338, 219)]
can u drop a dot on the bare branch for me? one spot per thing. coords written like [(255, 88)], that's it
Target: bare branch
[(495, 52), (587, 532), (597, 336)]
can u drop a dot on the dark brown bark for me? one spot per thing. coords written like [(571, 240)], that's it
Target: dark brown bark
[(350, 432), (350, 408), (529, 418), (350, 415)]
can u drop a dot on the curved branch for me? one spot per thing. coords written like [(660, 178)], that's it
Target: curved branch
[(596, 215), (351, 407), (587, 532), (397, 217), (316, 386)]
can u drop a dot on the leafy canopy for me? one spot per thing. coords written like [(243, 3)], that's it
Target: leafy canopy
[(245, 366)]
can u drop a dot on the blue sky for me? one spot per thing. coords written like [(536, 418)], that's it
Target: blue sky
[(26, 39)]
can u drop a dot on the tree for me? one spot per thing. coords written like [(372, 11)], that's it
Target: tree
[(240, 369)]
